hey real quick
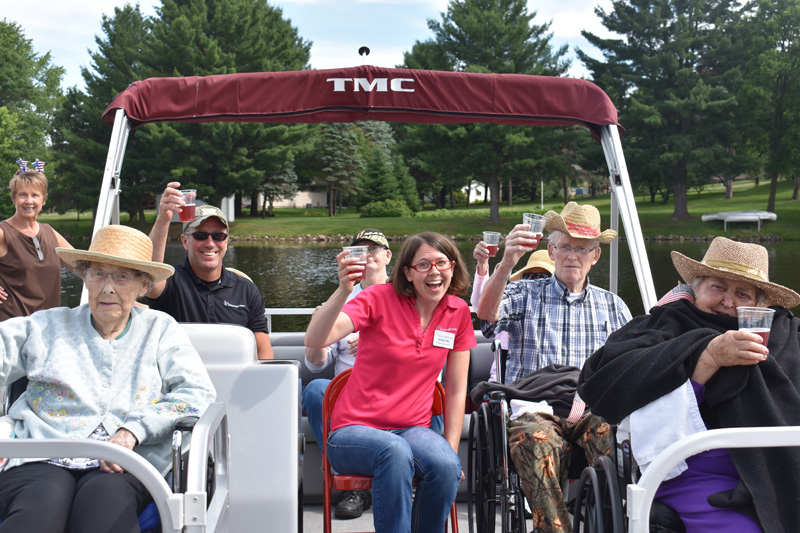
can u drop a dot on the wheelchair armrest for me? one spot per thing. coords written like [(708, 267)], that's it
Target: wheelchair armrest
[(186, 423)]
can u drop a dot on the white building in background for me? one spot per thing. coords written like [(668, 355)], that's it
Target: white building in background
[(301, 199), (476, 192)]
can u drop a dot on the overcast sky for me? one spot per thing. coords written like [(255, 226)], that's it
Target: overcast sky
[(337, 28)]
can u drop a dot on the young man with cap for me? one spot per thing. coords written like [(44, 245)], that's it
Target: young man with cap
[(561, 320), (343, 355), (686, 367), (202, 289)]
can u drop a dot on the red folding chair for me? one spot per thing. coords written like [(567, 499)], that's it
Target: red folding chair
[(354, 482)]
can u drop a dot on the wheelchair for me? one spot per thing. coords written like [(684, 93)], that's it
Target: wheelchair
[(595, 498), (212, 469)]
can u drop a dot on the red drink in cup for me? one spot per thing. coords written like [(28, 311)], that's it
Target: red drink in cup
[(187, 211), (761, 332), (756, 320), (492, 240), (361, 252), (536, 222)]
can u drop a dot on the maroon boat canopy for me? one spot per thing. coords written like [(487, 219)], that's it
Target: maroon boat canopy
[(367, 93)]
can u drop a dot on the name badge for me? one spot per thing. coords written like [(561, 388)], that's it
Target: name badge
[(444, 339)]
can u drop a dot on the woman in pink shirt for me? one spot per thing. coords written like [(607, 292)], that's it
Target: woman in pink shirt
[(408, 329)]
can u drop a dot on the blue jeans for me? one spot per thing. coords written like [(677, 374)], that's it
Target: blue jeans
[(393, 458), (312, 405)]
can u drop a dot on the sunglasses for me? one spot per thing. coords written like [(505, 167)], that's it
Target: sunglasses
[(218, 236), (38, 249)]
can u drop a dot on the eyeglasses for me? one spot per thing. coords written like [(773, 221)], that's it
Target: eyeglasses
[(375, 250), (566, 249), (96, 276), (38, 249), (218, 236), (441, 266)]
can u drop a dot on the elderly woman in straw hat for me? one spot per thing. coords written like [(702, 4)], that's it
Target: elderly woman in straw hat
[(104, 371), (686, 367), (560, 320)]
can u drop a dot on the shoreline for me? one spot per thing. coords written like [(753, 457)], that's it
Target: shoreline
[(475, 238)]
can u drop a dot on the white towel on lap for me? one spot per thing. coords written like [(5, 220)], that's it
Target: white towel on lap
[(664, 421), (521, 407)]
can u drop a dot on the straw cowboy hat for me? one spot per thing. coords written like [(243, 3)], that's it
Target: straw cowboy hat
[(740, 261), (580, 222), (121, 246), (538, 259)]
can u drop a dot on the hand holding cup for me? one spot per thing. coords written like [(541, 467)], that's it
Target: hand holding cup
[(357, 256), (756, 320), (492, 240)]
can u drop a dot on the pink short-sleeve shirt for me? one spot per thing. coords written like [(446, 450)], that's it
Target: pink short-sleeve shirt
[(392, 383)]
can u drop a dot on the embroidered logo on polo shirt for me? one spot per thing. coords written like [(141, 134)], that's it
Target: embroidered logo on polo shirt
[(226, 303)]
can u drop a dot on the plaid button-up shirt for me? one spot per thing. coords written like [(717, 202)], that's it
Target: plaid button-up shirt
[(544, 327)]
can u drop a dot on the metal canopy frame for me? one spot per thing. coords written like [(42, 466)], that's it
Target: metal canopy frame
[(623, 205)]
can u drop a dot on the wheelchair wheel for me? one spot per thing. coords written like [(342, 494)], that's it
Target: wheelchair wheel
[(481, 474), (599, 501)]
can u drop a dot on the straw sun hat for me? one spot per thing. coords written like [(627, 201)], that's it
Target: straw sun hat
[(739, 261), (538, 259), (580, 222), (121, 246)]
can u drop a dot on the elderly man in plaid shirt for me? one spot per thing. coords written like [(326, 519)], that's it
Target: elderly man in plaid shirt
[(558, 320)]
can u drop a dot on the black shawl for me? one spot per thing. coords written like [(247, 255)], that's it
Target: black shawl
[(554, 384), (653, 355)]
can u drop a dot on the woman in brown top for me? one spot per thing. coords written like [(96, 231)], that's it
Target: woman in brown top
[(30, 270)]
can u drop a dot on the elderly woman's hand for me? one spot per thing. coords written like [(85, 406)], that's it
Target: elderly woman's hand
[(481, 255), (124, 438), (732, 348)]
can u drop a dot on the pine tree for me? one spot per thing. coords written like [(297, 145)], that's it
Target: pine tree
[(203, 37), (669, 82), (30, 90), (81, 137), (342, 163), (496, 36)]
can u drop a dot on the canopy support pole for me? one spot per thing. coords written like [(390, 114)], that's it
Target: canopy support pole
[(623, 197), (108, 204)]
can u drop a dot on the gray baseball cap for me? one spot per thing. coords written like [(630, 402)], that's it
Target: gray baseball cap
[(203, 213)]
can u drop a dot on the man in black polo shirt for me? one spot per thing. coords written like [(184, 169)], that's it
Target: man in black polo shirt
[(202, 289)]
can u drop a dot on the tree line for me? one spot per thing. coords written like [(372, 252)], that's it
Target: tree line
[(706, 90)]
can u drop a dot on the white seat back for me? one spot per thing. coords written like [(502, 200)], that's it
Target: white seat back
[(263, 408), (222, 343)]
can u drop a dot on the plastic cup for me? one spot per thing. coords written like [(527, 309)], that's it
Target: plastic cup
[(187, 211), (536, 222), (492, 240), (756, 320), (362, 253)]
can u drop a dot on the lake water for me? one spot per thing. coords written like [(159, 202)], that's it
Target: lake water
[(304, 274)]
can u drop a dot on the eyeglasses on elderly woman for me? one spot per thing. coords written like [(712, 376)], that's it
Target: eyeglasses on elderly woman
[(97, 276)]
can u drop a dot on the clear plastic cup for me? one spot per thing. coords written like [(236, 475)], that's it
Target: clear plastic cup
[(189, 198), (362, 253), (756, 320), (536, 222), (492, 240)]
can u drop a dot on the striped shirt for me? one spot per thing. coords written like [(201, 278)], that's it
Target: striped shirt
[(544, 327)]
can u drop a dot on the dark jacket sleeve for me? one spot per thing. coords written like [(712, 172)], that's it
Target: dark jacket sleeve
[(645, 359)]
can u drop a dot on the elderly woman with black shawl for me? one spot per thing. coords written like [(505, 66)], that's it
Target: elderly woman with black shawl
[(686, 368)]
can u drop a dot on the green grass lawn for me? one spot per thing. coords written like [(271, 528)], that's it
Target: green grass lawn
[(654, 218)]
